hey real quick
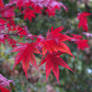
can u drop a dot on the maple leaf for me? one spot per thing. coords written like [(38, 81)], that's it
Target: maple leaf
[(52, 63), (26, 55), (2, 39), (2, 24), (29, 14), (19, 4), (6, 38), (1, 3), (52, 46), (4, 82), (37, 9), (81, 43), (83, 22), (22, 31), (87, 34), (50, 4), (55, 34), (76, 37), (8, 13), (2, 89), (11, 42), (54, 42), (50, 12)]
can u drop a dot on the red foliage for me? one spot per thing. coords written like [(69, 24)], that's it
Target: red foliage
[(1, 3), (81, 43), (82, 17), (2, 89), (26, 55), (49, 47), (52, 62)]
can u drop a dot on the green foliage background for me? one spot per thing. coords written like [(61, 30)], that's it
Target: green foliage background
[(78, 81)]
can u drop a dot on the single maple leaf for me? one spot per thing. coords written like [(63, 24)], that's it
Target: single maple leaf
[(26, 55), (11, 42), (1, 3), (83, 22), (53, 61), (2, 89), (54, 42), (29, 14), (76, 37), (81, 43), (21, 31), (19, 3), (51, 12)]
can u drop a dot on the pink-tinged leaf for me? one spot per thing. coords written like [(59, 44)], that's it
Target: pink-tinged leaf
[(87, 34), (4, 82), (62, 5)]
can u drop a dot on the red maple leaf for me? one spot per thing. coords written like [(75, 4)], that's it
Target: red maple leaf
[(83, 22), (26, 55), (11, 42), (51, 12), (54, 42), (52, 46), (21, 31), (29, 14), (2, 89), (52, 63), (56, 35), (1, 3), (76, 37), (81, 43)]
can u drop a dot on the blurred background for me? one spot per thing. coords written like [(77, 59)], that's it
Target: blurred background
[(80, 80)]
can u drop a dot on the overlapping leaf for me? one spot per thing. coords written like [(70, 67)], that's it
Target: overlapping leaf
[(52, 63), (83, 22), (54, 42), (26, 55)]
